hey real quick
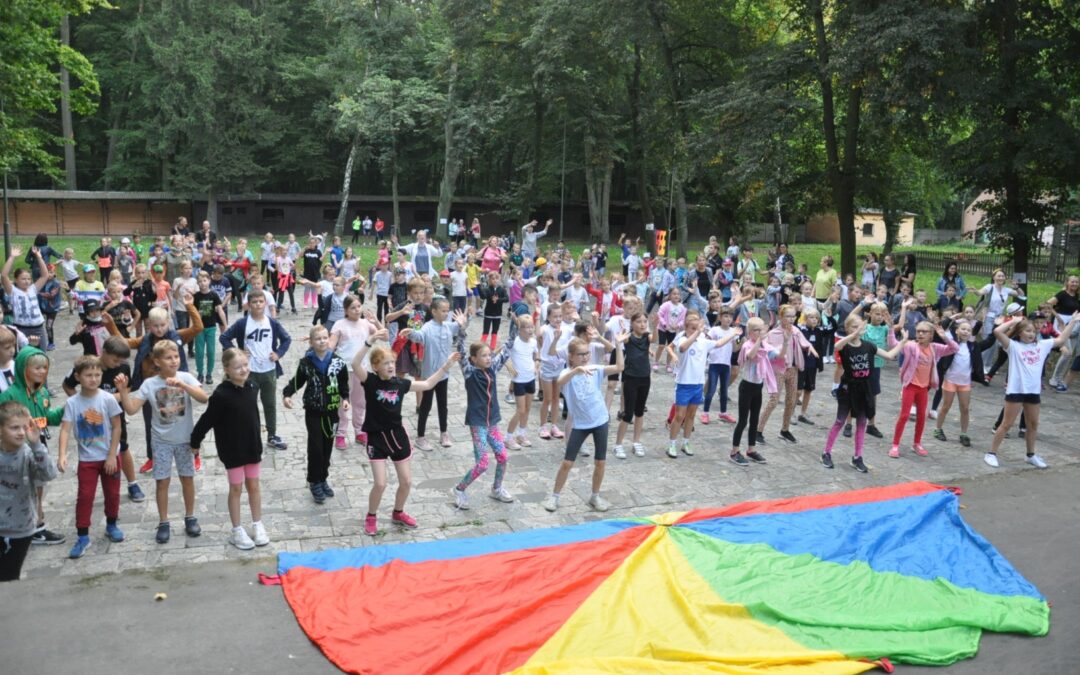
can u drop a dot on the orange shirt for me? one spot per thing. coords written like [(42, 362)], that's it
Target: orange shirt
[(922, 371)]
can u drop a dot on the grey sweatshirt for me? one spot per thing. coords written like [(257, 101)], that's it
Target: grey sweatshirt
[(21, 472), (438, 341)]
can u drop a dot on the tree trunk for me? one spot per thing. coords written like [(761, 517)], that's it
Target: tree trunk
[(211, 211), (539, 105), (1014, 196), (343, 210), (636, 140), (891, 217), (118, 106), (598, 170), (396, 227), (778, 235), (451, 161), (65, 111), (681, 220)]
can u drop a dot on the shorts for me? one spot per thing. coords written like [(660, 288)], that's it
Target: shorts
[(165, 454), (550, 371), (1075, 365), (807, 379), (239, 473), (473, 292), (523, 388), (577, 437), (666, 336), (611, 360), (734, 358), (875, 381), (393, 445), (952, 387), (635, 395), (689, 394), (1023, 398), (124, 447), (71, 284)]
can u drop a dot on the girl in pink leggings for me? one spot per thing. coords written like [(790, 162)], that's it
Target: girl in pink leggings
[(233, 414), (918, 375)]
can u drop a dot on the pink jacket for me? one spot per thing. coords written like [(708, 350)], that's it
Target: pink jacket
[(761, 360), (671, 317), (775, 341), (911, 360)]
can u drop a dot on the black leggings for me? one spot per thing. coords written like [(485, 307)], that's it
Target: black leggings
[(491, 325), (279, 295), (635, 392), (12, 554), (320, 443), (438, 392), (382, 306), (749, 409), (49, 319), (146, 415)]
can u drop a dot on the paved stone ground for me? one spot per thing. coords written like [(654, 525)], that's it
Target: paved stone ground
[(635, 486)]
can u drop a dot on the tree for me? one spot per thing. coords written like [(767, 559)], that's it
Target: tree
[(31, 58)]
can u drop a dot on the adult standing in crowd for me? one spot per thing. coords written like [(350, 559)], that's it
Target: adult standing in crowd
[(907, 272), (181, 227), (421, 253), (733, 248), (474, 232), (951, 276), (529, 235), (206, 236), (357, 227), (825, 279), (380, 228), (783, 258), (870, 272), (492, 256), (1066, 302)]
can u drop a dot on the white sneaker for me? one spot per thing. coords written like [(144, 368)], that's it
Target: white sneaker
[(1037, 462), (241, 540), (686, 448), (672, 450), (933, 414), (461, 499), (551, 503), (509, 398), (512, 444), (619, 452), (991, 459), (599, 503), (639, 450), (912, 413), (260, 538), (502, 495)]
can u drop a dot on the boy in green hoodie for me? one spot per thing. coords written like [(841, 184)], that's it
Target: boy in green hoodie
[(28, 388)]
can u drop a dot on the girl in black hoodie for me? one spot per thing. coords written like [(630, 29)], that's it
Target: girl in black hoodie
[(233, 414)]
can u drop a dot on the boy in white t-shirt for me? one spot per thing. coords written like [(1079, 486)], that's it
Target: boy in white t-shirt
[(459, 286), (692, 346), (720, 365), (523, 366)]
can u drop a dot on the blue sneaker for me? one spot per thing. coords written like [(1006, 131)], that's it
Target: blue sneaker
[(1060, 386), (135, 493), (113, 533), (82, 542)]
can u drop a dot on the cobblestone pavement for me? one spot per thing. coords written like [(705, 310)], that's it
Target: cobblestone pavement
[(635, 486)]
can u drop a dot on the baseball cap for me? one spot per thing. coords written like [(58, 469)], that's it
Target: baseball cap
[(157, 268), (1035, 316), (89, 268), (90, 306), (125, 240), (729, 261), (541, 261), (1013, 308), (647, 255)]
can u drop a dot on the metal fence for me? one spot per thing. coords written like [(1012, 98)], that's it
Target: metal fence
[(983, 264)]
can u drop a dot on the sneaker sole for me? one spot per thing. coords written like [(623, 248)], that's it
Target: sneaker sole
[(242, 548), (405, 526)]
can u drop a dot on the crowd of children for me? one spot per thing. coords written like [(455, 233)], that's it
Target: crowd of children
[(579, 339)]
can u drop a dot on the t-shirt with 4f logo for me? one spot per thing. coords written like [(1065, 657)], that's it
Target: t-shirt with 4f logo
[(258, 342)]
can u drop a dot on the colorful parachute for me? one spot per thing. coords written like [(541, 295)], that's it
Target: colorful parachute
[(837, 583)]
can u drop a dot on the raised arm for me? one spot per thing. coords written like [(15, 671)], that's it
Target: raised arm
[(437, 376), (5, 274), (43, 268), (1060, 340)]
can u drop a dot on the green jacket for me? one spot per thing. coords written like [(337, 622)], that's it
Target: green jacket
[(38, 402)]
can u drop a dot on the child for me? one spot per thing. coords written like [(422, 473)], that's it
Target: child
[(326, 376), (693, 347), (345, 339), (222, 287), (143, 294), (551, 365), (959, 371), (472, 269), (266, 341), (755, 359), (169, 393), (482, 416), (266, 254), (524, 363), (311, 273), (23, 293), (636, 380), (233, 415), (855, 398), (918, 374), (50, 300), (122, 310), (212, 312), (670, 319), (436, 337), (9, 344), (1027, 355), (495, 297), (70, 267), (384, 393), (91, 332), (382, 280), (812, 365), (719, 365), (104, 255), (786, 371), (95, 417), (412, 313), (582, 384), (459, 286), (25, 466), (284, 278)]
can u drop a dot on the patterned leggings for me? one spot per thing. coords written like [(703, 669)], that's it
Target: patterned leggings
[(481, 438)]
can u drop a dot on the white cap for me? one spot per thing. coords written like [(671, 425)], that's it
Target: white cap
[(125, 240), (1013, 308), (648, 255)]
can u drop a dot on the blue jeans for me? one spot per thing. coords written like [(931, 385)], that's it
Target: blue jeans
[(717, 372)]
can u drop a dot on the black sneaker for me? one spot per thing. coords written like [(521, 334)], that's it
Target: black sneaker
[(738, 458), (847, 431), (317, 493), (873, 431), (276, 443), (209, 380), (833, 392), (826, 460), (858, 464), (45, 537), (760, 440), (163, 533), (788, 436), (191, 526), (755, 456), (939, 434), (805, 420), (327, 490), (1022, 433)]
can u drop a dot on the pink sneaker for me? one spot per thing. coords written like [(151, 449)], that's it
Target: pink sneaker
[(655, 367), (545, 434), (556, 432), (894, 451), (726, 417), (920, 450), (670, 370), (403, 519), (524, 441), (704, 418), (339, 442), (361, 438), (512, 444), (370, 527)]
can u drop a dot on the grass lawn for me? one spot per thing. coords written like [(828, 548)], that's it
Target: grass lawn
[(809, 253)]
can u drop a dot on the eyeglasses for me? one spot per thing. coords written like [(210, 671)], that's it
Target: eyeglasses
[(923, 330)]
